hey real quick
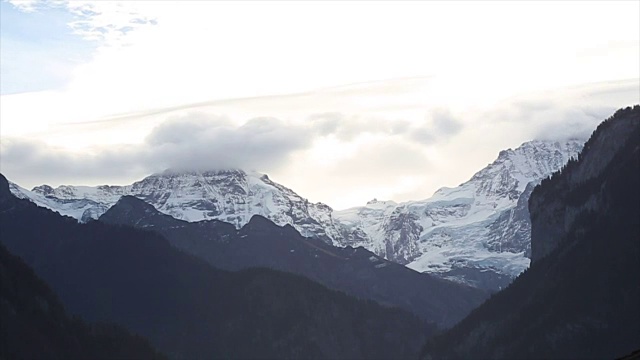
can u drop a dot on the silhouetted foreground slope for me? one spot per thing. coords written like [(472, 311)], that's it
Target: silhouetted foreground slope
[(261, 243), (34, 325), (191, 310), (580, 298)]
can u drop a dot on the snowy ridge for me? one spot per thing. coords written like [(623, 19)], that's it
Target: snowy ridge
[(81, 208), (476, 233), (232, 196)]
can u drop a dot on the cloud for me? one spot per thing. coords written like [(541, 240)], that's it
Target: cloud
[(374, 169), (326, 123), (202, 141), (579, 123), (199, 142), (384, 156), (439, 125), (36, 160), (193, 142), (348, 127), (562, 113), (105, 21), (186, 129), (444, 123), (422, 135), (27, 6)]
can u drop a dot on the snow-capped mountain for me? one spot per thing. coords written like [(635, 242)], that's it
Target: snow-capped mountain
[(478, 232), (65, 200), (232, 196)]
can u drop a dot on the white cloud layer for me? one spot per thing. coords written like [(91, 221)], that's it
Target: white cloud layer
[(253, 85)]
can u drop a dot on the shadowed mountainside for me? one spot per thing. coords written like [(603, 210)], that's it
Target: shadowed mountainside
[(579, 299), (35, 325), (261, 243)]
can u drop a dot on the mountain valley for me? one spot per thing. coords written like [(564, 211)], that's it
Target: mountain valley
[(230, 264)]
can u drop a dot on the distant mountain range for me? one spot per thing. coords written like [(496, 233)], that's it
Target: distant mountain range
[(189, 309), (579, 299), (476, 233)]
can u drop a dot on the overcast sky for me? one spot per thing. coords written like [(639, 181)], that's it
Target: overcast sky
[(340, 101)]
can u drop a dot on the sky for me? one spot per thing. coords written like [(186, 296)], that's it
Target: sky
[(341, 101)]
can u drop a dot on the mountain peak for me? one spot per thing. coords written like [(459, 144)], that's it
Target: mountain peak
[(259, 222), (131, 210), (210, 172), (178, 171), (133, 202), (259, 225), (130, 206), (531, 161), (380, 204), (43, 189), (4, 187), (229, 195)]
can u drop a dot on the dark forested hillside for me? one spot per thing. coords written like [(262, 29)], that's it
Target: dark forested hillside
[(34, 325), (261, 243), (577, 188), (187, 308), (580, 297)]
